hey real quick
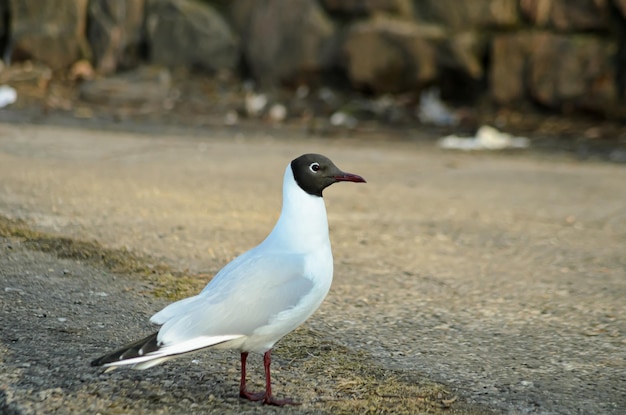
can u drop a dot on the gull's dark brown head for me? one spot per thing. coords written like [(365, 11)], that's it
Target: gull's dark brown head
[(314, 173)]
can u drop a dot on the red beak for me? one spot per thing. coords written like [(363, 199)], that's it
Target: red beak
[(349, 177)]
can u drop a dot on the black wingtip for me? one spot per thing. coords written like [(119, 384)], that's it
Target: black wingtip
[(129, 351)]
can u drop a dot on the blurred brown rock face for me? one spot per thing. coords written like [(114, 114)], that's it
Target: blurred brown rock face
[(556, 70), (285, 40), (187, 33), (52, 32), (115, 30), (561, 54)]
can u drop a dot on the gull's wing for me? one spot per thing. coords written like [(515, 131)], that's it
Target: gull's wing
[(247, 294)]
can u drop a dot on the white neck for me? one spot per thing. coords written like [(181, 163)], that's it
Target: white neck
[(303, 225)]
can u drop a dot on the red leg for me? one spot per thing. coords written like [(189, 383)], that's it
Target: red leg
[(266, 396), (243, 392), (269, 399)]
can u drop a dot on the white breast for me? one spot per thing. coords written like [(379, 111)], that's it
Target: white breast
[(302, 229)]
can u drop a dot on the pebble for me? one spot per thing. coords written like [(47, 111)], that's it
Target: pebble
[(341, 119), (231, 118), (277, 113), (99, 294)]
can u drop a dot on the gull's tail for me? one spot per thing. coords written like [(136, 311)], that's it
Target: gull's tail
[(130, 352), (149, 352)]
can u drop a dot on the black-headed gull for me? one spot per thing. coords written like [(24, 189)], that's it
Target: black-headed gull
[(261, 295)]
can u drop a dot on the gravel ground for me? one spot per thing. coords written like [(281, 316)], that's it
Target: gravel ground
[(498, 276), (59, 312)]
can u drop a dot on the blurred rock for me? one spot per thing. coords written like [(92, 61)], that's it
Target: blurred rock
[(617, 155), (558, 71), (621, 5), (146, 85), (570, 72), (387, 55), (285, 40), (240, 13), (509, 64), (4, 26), (186, 33), (81, 70), (302, 91), (115, 33), (27, 72), (58, 97), (464, 52), (367, 7), (567, 15), (391, 55), (468, 14), (560, 54), (51, 31)]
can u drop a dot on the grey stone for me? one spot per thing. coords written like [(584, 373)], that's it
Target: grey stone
[(567, 15), (285, 40), (146, 85), (367, 7), (558, 71), (190, 34), (4, 29), (59, 42), (572, 71), (464, 53), (510, 53), (621, 5), (388, 55), (240, 14), (463, 15), (115, 33)]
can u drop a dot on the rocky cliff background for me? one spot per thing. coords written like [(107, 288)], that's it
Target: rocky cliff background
[(567, 56)]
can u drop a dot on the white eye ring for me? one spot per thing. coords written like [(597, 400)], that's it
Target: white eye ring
[(314, 167)]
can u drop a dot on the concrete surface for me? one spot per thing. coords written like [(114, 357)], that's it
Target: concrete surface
[(502, 276)]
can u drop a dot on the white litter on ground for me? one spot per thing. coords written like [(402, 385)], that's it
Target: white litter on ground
[(277, 113), (486, 138), (8, 95), (255, 103), (433, 111), (342, 119)]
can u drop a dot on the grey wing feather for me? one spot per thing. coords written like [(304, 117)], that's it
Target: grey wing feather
[(244, 296)]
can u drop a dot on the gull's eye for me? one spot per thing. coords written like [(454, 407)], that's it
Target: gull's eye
[(314, 167)]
